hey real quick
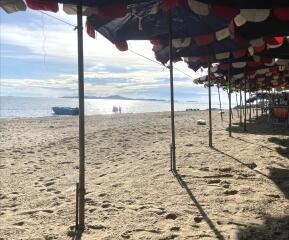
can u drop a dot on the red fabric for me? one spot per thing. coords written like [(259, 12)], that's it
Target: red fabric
[(267, 81), (44, 5), (177, 59), (224, 66), (224, 11), (112, 11), (204, 58), (254, 64), (282, 13), (250, 73), (169, 4), (232, 27), (90, 30), (158, 44), (273, 70), (204, 39), (266, 60), (239, 53), (242, 41), (157, 48), (122, 46), (259, 49), (274, 40)]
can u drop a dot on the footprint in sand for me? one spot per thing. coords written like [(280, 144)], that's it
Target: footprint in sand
[(3, 166), (89, 201), (214, 181), (48, 211), (2, 196), (117, 185), (230, 192), (198, 219), (97, 227), (175, 229), (49, 184), (225, 184), (92, 210), (102, 195), (171, 216), (227, 169), (19, 223)]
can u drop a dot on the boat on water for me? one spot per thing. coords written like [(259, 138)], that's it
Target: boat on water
[(65, 111)]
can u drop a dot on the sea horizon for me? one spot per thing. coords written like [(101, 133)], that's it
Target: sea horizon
[(18, 107)]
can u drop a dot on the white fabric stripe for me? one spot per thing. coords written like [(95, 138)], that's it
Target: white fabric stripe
[(199, 7), (11, 6), (255, 15), (181, 42)]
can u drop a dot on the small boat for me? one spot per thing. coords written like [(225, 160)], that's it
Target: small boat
[(65, 111)]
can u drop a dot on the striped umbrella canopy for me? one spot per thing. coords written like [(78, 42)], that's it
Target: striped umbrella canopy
[(248, 3)]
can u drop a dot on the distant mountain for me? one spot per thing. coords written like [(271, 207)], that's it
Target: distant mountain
[(116, 97)]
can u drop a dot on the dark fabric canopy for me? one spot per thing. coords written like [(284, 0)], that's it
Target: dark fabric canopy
[(280, 52), (260, 4), (272, 26), (140, 24)]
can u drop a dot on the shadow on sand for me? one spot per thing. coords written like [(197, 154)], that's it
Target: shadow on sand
[(74, 233), (272, 228), (184, 185), (260, 126), (283, 148), (247, 165)]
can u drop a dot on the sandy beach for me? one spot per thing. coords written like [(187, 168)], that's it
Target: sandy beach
[(237, 190)]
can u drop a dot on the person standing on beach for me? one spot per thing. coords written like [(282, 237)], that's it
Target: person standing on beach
[(119, 109)]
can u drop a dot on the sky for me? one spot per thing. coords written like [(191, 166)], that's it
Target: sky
[(39, 59)]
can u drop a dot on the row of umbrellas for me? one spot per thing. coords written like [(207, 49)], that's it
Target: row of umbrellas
[(243, 43)]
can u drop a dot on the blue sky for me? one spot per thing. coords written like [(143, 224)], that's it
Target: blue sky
[(39, 58)]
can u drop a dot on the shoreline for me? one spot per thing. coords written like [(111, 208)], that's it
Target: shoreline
[(110, 114)]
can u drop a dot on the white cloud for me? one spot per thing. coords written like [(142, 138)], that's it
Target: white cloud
[(58, 42)]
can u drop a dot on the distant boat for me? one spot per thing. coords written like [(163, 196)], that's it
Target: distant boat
[(65, 111)]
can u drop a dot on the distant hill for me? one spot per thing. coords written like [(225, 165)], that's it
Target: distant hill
[(116, 97)]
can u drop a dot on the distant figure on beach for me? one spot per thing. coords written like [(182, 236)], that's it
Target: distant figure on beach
[(119, 109), (114, 109)]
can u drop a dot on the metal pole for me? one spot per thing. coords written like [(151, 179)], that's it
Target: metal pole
[(76, 206), (220, 103), (230, 106), (241, 108), (236, 94), (245, 100), (173, 144), (81, 117), (257, 105), (210, 106), (262, 103), (250, 104)]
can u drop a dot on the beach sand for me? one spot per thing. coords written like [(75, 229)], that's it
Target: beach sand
[(237, 190)]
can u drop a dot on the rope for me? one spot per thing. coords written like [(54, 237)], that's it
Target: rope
[(160, 63), (44, 40), (61, 20)]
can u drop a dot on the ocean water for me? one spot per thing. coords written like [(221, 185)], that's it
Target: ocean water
[(12, 107)]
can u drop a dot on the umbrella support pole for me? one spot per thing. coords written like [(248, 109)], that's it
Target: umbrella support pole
[(241, 107), (173, 143), (230, 105), (220, 103), (245, 105), (210, 107), (81, 189)]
